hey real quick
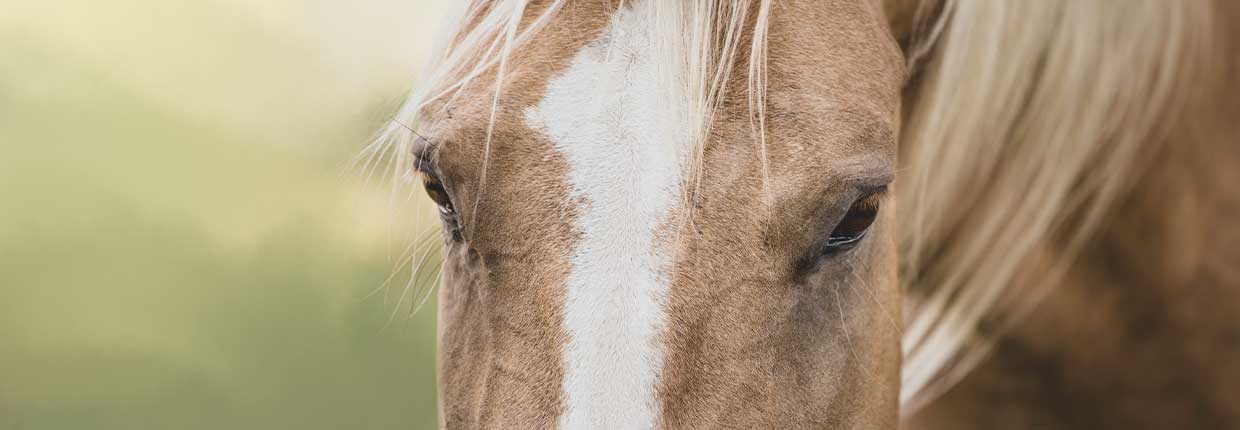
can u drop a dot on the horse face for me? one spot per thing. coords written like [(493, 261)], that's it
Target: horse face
[(603, 270)]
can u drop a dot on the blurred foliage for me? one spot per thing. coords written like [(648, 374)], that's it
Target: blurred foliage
[(182, 243)]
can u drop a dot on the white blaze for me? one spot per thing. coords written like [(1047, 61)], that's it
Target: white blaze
[(626, 152)]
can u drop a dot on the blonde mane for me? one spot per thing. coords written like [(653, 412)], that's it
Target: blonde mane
[(1025, 122), (1028, 121)]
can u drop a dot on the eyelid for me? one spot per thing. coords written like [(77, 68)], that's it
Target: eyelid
[(873, 190), (424, 153), (868, 185)]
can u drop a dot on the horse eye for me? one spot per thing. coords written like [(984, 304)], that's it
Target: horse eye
[(852, 228), (434, 189), (423, 152), (447, 212)]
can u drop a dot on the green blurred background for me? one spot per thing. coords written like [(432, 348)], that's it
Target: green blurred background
[(183, 244)]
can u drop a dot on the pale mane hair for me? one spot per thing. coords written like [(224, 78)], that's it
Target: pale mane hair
[(1026, 121), (1029, 121)]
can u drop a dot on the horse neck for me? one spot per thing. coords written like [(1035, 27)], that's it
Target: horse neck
[(1149, 308), (1178, 225)]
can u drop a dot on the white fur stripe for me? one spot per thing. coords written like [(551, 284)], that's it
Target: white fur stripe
[(626, 156)]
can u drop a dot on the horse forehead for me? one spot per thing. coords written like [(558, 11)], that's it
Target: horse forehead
[(627, 152), (625, 141)]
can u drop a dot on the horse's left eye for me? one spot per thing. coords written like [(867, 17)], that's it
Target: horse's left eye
[(853, 227), (434, 189), (447, 212)]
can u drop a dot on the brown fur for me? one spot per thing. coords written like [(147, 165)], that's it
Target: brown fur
[(754, 343), (775, 344), (499, 312)]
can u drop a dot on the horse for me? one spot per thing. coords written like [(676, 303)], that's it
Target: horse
[(833, 213)]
